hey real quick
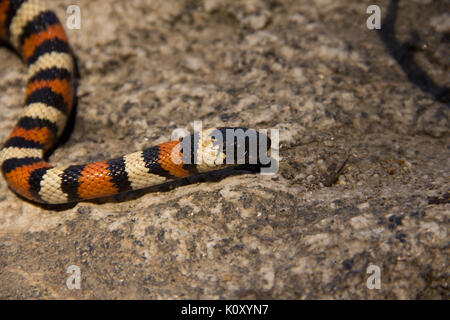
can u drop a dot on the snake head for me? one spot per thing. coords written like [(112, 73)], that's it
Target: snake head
[(241, 145), (225, 146)]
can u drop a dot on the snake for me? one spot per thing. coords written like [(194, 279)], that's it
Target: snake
[(39, 38)]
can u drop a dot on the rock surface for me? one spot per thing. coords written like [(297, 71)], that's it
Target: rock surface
[(335, 90)]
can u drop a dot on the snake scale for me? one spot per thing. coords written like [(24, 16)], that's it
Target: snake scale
[(39, 38)]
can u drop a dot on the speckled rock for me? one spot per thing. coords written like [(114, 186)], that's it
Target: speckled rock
[(364, 146)]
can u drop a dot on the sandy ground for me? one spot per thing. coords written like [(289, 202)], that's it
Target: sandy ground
[(334, 89)]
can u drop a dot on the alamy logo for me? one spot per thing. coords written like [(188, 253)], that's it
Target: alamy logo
[(373, 281), (374, 21), (74, 281), (74, 19)]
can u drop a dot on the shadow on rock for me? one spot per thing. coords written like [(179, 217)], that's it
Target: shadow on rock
[(403, 53)]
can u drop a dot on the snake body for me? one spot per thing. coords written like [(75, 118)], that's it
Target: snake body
[(39, 38)]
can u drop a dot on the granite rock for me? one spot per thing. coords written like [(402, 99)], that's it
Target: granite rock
[(363, 117)]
